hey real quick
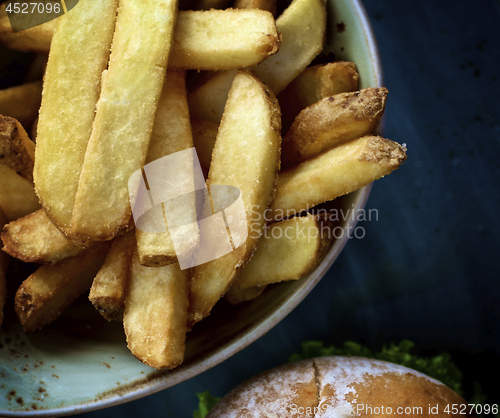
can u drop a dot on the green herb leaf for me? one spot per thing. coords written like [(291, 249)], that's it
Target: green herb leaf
[(207, 402)]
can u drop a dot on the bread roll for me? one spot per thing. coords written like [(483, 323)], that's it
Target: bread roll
[(338, 386)]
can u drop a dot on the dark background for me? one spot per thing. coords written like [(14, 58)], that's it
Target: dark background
[(428, 269)]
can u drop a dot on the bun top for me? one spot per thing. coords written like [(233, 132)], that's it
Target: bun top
[(339, 386)]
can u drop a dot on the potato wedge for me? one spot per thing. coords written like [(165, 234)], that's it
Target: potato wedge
[(17, 196), (17, 151), (201, 39), (4, 263), (155, 314), (22, 102), (43, 296), (334, 173), (35, 239), (204, 135), (36, 39), (332, 121), (252, 116), (302, 27), (269, 5), (107, 293), (316, 83), (288, 250), (125, 113), (171, 134), (70, 93), (237, 296)]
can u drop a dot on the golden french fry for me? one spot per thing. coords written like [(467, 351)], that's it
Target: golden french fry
[(339, 171), (316, 83), (22, 102), (201, 39), (35, 239), (107, 293), (288, 250), (171, 134), (269, 5), (332, 121), (155, 315), (17, 151), (252, 116), (302, 27), (36, 39), (204, 135), (4, 263), (125, 112), (17, 196), (43, 296), (237, 296), (70, 93)]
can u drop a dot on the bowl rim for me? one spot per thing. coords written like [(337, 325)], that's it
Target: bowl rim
[(147, 386)]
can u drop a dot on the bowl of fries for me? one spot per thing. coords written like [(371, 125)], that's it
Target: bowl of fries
[(299, 88)]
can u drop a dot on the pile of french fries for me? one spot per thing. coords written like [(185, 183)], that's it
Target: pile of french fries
[(115, 99)]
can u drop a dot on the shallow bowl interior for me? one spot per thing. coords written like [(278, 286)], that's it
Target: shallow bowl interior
[(81, 363)]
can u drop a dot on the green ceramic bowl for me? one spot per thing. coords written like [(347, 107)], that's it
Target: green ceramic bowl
[(81, 363)]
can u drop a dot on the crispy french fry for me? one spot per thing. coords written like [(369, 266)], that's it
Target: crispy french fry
[(43, 296), (17, 196), (339, 171), (107, 293), (22, 102), (4, 263), (118, 144), (17, 151), (155, 314), (288, 250), (201, 39), (237, 296), (332, 121), (269, 5), (204, 135), (171, 134), (302, 27), (70, 93), (249, 137), (35, 239), (316, 83), (36, 39)]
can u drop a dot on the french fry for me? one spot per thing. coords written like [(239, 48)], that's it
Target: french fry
[(107, 293), (201, 39), (43, 296), (17, 196), (316, 83), (22, 102), (288, 250), (237, 296), (155, 315), (125, 112), (269, 5), (17, 151), (4, 263), (332, 121), (339, 171), (36, 39), (302, 27), (35, 239), (249, 137), (70, 93), (204, 135), (171, 134)]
